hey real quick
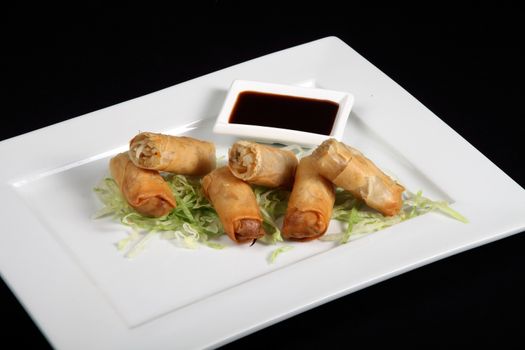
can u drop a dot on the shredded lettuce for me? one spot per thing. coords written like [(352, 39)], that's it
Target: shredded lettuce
[(272, 203), (276, 252), (114, 203), (361, 220), (420, 205), (194, 222), (191, 223)]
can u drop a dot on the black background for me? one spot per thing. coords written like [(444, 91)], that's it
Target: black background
[(463, 63)]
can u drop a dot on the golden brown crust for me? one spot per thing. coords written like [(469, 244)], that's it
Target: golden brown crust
[(348, 168), (310, 205), (235, 203), (176, 154), (261, 164), (145, 190)]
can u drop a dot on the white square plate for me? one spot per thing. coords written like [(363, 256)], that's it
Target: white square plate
[(65, 269)]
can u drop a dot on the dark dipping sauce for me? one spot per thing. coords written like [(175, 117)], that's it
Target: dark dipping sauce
[(283, 111)]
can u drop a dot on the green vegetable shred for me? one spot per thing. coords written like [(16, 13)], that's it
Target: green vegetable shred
[(194, 222)]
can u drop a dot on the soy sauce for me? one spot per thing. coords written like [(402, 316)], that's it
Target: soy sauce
[(282, 111)]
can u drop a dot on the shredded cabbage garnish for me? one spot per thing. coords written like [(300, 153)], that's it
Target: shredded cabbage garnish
[(272, 203), (361, 220), (191, 223), (194, 222), (276, 252)]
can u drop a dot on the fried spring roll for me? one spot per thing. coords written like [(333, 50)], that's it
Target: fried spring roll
[(348, 168), (262, 164), (145, 190), (310, 204), (176, 154), (235, 203)]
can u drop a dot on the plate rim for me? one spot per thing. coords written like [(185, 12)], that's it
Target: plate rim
[(22, 285)]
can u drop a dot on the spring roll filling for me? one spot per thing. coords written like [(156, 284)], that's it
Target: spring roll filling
[(243, 160), (146, 153)]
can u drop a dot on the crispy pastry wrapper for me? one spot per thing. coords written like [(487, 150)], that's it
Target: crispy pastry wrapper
[(310, 205), (175, 154), (262, 164), (145, 190), (235, 203), (348, 168)]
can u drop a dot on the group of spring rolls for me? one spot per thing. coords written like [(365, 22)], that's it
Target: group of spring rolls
[(312, 180)]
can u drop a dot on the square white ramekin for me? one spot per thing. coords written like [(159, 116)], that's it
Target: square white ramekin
[(286, 136)]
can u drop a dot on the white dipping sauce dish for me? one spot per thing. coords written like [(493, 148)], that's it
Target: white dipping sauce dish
[(286, 114)]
